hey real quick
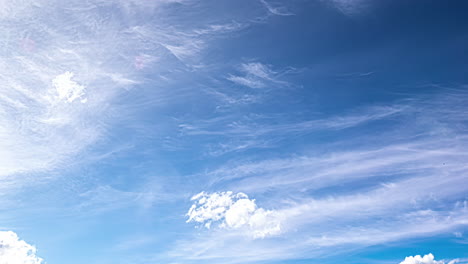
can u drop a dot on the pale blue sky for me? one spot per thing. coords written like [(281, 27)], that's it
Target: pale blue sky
[(247, 131)]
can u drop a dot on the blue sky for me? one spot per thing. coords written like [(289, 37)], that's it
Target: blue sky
[(247, 131)]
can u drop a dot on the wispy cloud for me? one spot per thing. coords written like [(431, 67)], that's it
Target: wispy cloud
[(279, 11), (64, 78), (256, 75), (402, 185), (350, 7), (412, 117)]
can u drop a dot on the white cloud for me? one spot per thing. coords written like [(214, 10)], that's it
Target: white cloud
[(16, 251), (279, 11), (256, 75), (349, 7), (406, 183), (68, 89), (234, 211), (246, 81), (50, 63), (258, 69), (426, 259)]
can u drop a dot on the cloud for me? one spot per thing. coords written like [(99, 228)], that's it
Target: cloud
[(246, 81), (407, 118), (233, 211), (279, 11), (258, 69), (68, 89), (327, 233), (426, 259), (261, 126), (256, 75), (370, 188), (16, 251), (349, 7), (68, 69)]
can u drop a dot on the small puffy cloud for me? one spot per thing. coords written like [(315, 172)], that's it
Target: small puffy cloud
[(67, 89), (427, 259), (233, 211), (16, 251)]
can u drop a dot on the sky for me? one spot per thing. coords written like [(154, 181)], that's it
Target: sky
[(222, 131)]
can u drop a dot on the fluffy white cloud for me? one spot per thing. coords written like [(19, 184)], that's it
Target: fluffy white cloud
[(16, 251), (234, 211), (68, 89), (427, 259)]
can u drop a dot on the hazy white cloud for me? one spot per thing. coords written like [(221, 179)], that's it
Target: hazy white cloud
[(279, 11), (16, 251), (246, 81), (258, 69), (349, 7), (426, 259), (261, 126), (220, 28), (233, 211), (256, 75)]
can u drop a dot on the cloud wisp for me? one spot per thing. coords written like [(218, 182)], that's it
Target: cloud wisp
[(256, 75), (278, 11), (426, 259)]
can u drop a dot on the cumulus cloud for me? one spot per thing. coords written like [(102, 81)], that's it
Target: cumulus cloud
[(16, 251), (233, 211), (427, 259), (68, 89)]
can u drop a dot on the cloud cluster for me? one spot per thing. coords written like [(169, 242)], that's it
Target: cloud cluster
[(233, 211), (16, 251), (427, 259)]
